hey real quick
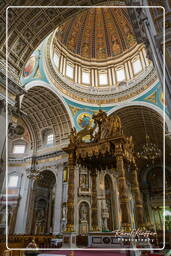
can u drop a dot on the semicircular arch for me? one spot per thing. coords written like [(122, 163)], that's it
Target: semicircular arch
[(44, 109)]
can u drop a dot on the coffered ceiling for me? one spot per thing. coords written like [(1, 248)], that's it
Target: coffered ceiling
[(44, 110)]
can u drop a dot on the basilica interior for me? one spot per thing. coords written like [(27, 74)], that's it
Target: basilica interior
[(85, 129)]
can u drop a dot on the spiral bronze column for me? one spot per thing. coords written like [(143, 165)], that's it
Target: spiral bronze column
[(123, 192), (94, 212), (70, 201), (137, 196)]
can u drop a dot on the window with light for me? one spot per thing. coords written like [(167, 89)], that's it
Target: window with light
[(69, 71), (85, 77), (19, 149), (50, 139), (137, 67), (56, 60), (120, 75), (103, 79), (12, 181)]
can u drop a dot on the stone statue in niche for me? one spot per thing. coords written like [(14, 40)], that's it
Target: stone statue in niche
[(40, 221), (64, 212), (40, 214), (108, 205), (83, 212), (83, 181), (104, 224), (105, 216), (84, 216), (64, 217)]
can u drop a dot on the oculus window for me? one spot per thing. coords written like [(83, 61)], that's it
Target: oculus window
[(120, 74), (13, 181), (103, 79), (50, 138), (19, 149), (69, 71), (86, 77), (137, 67)]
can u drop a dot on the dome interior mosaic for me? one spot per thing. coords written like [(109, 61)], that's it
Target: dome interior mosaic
[(97, 33)]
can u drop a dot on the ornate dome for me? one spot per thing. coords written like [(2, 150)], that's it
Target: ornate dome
[(94, 58), (97, 33)]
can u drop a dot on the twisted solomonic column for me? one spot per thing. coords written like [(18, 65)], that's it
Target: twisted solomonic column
[(94, 212), (70, 201), (123, 190), (137, 196)]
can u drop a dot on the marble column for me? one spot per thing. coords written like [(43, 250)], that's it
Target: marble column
[(94, 212), (2, 142), (58, 199), (147, 208), (113, 76), (123, 193), (104, 214), (70, 201), (49, 213), (117, 207), (11, 223), (23, 207), (137, 196), (61, 64)]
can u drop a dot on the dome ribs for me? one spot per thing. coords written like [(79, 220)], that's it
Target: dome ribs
[(93, 50), (106, 36), (86, 41), (79, 41), (68, 30), (121, 38), (97, 33)]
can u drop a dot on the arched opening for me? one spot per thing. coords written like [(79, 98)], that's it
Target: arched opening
[(46, 112), (153, 185), (109, 195), (139, 121), (43, 204), (84, 218)]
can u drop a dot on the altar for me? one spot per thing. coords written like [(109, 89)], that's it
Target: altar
[(107, 170)]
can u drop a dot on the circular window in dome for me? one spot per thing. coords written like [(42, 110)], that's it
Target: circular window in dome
[(28, 69)]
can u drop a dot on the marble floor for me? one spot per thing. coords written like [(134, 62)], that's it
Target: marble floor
[(83, 253)]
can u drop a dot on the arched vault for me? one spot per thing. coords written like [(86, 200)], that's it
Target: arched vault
[(45, 110)]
